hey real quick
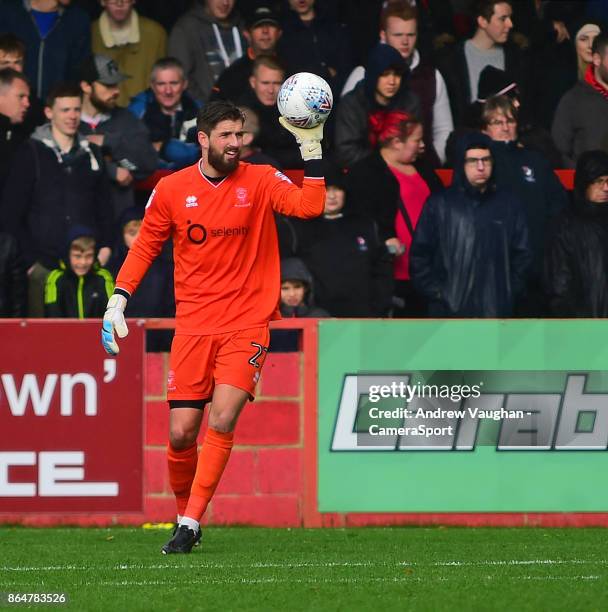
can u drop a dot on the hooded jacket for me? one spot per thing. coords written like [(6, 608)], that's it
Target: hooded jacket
[(470, 251), (67, 295), (48, 192), (294, 269), (58, 55), (575, 276), (352, 127), (194, 42)]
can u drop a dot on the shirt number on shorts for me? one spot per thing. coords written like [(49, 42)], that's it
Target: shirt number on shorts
[(260, 350)]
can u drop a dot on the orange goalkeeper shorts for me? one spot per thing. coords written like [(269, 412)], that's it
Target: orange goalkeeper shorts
[(198, 363)]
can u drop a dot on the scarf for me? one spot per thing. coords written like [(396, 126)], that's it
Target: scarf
[(591, 80)]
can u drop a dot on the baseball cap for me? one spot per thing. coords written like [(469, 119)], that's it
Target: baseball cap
[(262, 15), (102, 69)]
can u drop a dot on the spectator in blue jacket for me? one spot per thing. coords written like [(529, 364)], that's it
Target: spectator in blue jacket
[(169, 113), (57, 39)]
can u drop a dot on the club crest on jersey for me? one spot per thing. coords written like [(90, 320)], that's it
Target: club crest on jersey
[(191, 201), (242, 200)]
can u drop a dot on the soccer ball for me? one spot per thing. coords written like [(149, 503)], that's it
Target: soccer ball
[(305, 100)]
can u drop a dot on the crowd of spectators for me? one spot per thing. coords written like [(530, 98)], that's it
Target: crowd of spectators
[(95, 96)]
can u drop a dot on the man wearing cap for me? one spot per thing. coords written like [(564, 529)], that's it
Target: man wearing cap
[(132, 41), (262, 32), (576, 262), (123, 138)]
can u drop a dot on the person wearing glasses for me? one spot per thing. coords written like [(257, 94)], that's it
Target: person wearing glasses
[(529, 175), (134, 42), (470, 252), (576, 265)]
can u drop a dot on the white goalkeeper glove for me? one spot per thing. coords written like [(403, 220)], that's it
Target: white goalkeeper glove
[(114, 320), (309, 139)]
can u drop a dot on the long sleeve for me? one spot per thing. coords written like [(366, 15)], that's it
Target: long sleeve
[(423, 252), (563, 131), (307, 202), (521, 254), (155, 230)]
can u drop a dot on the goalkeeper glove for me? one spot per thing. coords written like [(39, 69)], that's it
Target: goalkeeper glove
[(309, 139), (114, 320)]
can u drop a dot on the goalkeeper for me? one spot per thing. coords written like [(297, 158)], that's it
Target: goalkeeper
[(219, 213)]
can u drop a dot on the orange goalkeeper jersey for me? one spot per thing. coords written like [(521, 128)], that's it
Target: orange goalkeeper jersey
[(227, 267)]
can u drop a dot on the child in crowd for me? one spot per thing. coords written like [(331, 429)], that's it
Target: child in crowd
[(80, 288)]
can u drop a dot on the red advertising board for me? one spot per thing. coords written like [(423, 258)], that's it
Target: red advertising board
[(71, 419)]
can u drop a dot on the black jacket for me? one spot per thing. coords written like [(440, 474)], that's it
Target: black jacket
[(352, 115), (575, 276), (10, 140), (530, 177), (67, 295), (351, 267), (452, 64), (320, 46), (46, 194), (13, 281), (374, 191), (233, 81), (470, 252)]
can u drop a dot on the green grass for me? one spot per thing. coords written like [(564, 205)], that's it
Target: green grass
[(332, 569)]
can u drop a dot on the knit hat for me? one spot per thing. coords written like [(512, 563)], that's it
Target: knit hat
[(495, 82), (584, 24)]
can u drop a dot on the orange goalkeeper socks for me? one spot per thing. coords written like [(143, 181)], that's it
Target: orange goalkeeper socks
[(182, 468), (211, 463)]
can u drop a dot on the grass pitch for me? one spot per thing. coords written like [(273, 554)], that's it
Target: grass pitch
[(437, 569)]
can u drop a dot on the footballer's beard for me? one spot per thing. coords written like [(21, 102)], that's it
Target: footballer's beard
[(222, 165), (102, 106)]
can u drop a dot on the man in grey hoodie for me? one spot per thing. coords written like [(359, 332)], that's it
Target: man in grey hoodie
[(206, 40)]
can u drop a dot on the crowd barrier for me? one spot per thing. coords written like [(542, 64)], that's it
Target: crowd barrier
[(565, 176), (83, 435)]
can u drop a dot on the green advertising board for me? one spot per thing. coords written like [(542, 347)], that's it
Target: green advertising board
[(463, 416)]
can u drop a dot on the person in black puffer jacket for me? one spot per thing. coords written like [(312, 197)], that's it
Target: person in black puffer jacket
[(576, 262), (470, 253)]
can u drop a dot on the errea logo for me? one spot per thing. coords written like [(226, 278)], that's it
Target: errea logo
[(191, 201), (281, 176)]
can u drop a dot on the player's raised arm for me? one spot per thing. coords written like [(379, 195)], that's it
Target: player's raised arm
[(155, 230)]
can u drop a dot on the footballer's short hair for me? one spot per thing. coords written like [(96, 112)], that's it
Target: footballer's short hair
[(214, 112)]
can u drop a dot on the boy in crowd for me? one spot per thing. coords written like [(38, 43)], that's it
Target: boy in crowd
[(80, 288)]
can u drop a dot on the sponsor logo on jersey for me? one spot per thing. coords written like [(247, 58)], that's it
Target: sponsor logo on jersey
[(242, 200), (191, 201), (361, 244), (198, 233)]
